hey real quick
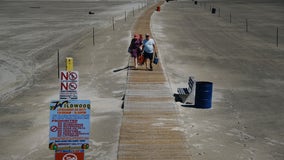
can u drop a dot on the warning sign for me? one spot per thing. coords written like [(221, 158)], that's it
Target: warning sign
[(69, 83), (69, 124), (69, 155)]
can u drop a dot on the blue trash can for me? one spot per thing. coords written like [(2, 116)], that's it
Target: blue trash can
[(203, 94)]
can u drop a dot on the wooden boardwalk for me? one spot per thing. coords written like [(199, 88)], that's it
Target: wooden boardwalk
[(150, 127)]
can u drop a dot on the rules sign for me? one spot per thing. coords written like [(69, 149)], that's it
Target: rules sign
[(69, 83), (69, 124)]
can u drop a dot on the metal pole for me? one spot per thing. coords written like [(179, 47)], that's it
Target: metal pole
[(277, 37), (133, 11), (58, 64)]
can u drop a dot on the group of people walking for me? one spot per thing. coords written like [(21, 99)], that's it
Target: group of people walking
[(143, 48)]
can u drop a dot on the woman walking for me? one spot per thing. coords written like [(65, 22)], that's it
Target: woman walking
[(134, 49)]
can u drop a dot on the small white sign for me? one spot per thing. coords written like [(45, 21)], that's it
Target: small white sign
[(69, 83)]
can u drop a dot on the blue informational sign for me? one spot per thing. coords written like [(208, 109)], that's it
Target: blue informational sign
[(69, 124)]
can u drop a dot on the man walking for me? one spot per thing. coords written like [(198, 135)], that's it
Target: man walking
[(149, 48)]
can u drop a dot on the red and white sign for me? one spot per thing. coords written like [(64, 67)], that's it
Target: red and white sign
[(69, 155), (69, 83)]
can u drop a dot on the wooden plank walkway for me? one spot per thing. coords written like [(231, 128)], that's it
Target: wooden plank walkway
[(150, 126)]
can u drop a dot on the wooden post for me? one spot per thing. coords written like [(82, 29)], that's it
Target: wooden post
[(230, 17), (277, 37), (125, 16), (113, 23), (246, 25), (93, 36), (58, 72)]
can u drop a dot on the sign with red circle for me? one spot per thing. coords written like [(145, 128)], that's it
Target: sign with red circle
[(53, 128), (69, 83), (69, 155)]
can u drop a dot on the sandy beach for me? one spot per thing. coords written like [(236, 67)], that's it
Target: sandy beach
[(246, 68), (30, 82)]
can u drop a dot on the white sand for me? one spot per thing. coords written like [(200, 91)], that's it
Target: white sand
[(28, 61), (246, 69), (245, 121)]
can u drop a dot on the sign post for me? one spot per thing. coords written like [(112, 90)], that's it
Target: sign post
[(69, 122), (69, 83)]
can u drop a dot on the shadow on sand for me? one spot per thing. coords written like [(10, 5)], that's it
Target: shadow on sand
[(180, 99), (121, 69)]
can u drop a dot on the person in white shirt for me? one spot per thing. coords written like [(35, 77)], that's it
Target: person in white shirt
[(149, 48)]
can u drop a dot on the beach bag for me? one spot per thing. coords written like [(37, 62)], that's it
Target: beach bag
[(156, 60), (129, 50), (141, 59)]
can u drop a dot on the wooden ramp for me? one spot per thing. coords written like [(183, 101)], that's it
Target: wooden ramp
[(150, 127)]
